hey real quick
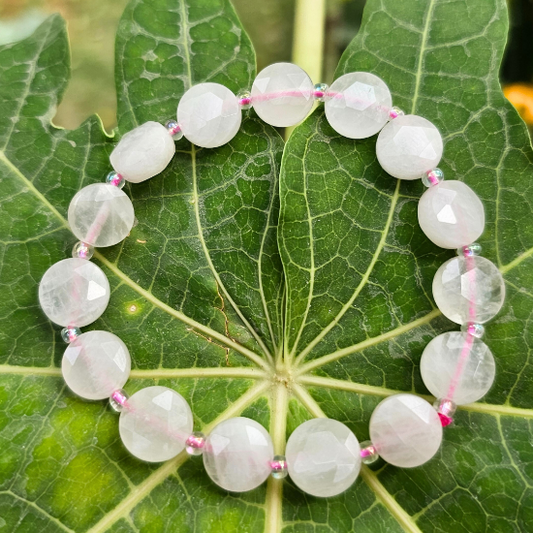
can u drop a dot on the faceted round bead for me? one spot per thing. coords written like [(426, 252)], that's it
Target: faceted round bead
[(74, 292), (143, 152), (279, 467), (82, 250), (156, 424), (101, 215), (451, 214), (323, 457), (95, 364), (238, 453), (209, 115), (195, 443), (359, 105), (282, 94), (405, 430), (409, 146), (458, 367), (469, 289)]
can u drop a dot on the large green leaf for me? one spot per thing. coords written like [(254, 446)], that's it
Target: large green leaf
[(198, 285)]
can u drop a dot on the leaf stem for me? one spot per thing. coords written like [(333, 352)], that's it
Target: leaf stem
[(308, 401), (195, 372), (308, 40), (326, 359), (278, 428)]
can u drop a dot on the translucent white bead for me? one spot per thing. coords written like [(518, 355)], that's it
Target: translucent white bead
[(209, 115), (451, 214), (323, 457), (237, 454), (143, 152), (457, 366), (74, 292), (469, 289), (409, 146), (359, 105), (95, 364), (405, 430), (101, 215), (156, 424), (282, 94)]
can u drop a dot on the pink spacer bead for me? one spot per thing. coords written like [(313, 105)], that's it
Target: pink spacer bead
[(445, 409), (119, 397), (395, 112), (195, 442), (175, 130), (116, 180), (368, 451), (245, 101), (445, 420), (277, 466), (432, 177), (83, 252)]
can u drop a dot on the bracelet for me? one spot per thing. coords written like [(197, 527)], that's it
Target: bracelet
[(323, 456)]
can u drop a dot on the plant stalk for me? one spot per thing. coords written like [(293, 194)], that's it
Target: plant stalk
[(308, 40)]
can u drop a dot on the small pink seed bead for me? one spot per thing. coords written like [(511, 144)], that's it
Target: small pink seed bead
[(445, 420), (117, 180), (195, 442), (370, 450), (445, 409), (119, 397), (176, 129)]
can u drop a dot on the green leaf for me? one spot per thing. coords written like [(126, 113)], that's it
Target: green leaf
[(198, 286)]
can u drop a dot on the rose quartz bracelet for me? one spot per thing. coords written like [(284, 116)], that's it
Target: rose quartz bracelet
[(323, 456)]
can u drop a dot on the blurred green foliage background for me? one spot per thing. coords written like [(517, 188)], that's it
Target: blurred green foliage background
[(270, 24)]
